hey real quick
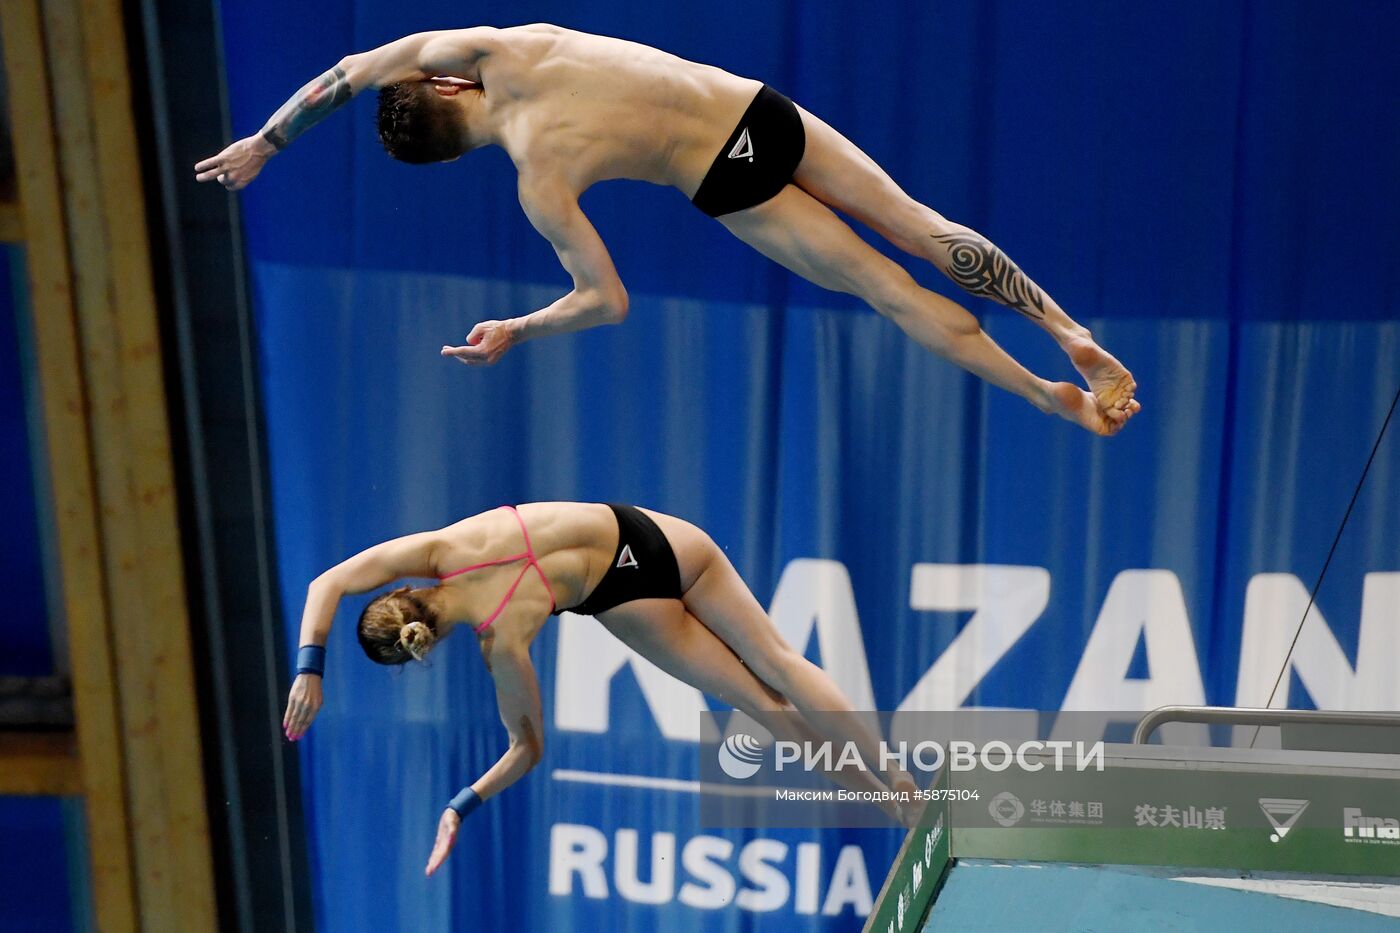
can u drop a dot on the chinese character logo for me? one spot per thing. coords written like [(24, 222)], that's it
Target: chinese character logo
[(1006, 808)]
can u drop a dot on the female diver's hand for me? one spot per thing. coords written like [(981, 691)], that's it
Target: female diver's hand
[(446, 839), (303, 703)]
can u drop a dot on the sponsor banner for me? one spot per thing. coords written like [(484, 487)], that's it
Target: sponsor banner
[(1186, 813), (1360, 828)]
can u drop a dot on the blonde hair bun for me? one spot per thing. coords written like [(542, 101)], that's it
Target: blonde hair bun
[(417, 639)]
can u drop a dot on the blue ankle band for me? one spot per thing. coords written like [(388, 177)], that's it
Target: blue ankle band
[(311, 659), (465, 802)]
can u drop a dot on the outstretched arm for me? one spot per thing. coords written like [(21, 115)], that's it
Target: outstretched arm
[(455, 53), (518, 698), (409, 556), (597, 297)]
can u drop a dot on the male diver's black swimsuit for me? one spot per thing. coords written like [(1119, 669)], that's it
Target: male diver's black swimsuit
[(759, 158), (643, 567)]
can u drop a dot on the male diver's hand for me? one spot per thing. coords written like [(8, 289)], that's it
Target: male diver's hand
[(303, 703), (238, 164), (446, 839), (486, 344)]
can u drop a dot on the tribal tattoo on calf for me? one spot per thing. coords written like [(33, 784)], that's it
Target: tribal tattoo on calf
[(307, 107), (979, 267)]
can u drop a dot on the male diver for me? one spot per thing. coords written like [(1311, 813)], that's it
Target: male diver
[(572, 109)]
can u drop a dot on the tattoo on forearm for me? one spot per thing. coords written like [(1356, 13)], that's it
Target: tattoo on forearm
[(978, 266), (309, 106)]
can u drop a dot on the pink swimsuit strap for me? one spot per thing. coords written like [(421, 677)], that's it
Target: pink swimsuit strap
[(528, 555)]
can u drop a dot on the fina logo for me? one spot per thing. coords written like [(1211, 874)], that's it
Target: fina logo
[(1006, 808), (741, 756), (1358, 827)]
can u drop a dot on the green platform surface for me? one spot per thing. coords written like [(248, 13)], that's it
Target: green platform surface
[(997, 896)]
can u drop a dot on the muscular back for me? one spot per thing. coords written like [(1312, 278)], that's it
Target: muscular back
[(573, 541), (589, 108)]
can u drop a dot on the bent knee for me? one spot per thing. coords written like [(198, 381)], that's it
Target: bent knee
[(915, 228), (891, 291)]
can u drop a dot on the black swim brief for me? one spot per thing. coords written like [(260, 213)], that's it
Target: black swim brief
[(759, 158), (643, 567)]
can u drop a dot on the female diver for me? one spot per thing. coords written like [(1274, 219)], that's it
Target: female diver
[(658, 583)]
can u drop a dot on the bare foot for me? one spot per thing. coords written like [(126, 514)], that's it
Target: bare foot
[(1108, 379), (1074, 404)]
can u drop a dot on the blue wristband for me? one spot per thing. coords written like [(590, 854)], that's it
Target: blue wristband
[(465, 802), (311, 659)]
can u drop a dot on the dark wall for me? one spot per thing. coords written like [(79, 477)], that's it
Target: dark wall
[(24, 626)]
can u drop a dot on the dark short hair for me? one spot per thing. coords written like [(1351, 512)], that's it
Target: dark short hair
[(415, 125)]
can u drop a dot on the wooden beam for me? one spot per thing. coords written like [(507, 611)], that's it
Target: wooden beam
[(43, 764), (11, 223), (148, 620), (76, 513)]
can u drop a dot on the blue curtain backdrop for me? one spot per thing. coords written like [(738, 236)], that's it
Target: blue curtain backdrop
[(1211, 187)]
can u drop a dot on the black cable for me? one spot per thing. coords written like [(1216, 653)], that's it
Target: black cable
[(1312, 598)]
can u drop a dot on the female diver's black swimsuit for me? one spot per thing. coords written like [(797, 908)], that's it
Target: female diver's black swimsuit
[(643, 567)]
